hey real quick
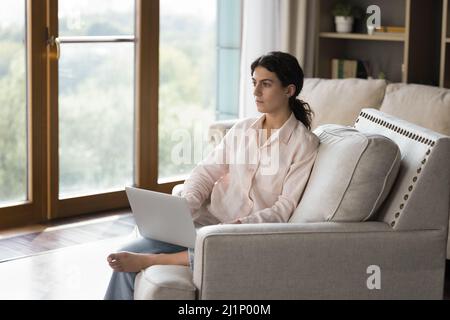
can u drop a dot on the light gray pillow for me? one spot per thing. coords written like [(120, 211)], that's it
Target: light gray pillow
[(328, 98), (352, 175)]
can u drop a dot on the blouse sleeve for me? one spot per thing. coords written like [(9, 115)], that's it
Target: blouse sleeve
[(199, 185)]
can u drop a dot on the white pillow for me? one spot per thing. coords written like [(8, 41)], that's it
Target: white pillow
[(352, 175), (425, 106), (340, 100)]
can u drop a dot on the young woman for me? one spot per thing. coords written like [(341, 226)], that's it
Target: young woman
[(257, 174)]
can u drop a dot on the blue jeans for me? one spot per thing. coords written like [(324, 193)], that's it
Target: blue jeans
[(121, 285)]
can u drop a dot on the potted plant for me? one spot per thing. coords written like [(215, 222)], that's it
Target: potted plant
[(344, 14)]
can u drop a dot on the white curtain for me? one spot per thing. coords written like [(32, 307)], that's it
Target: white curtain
[(293, 28), (269, 25), (261, 34), (299, 30)]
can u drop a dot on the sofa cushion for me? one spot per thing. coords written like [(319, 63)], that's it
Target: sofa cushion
[(339, 101), (352, 175), (419, 197), (168, 282), (425, 106)]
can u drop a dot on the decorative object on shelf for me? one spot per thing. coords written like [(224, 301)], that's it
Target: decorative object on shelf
[(344, 16)]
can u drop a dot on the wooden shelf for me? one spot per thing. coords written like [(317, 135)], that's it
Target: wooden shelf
[(400, 37), (408, 57)]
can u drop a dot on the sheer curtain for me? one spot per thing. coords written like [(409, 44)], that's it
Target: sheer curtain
[(273, 25)]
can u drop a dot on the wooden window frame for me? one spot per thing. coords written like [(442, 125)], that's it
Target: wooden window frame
[(43, 165), (146, 121)]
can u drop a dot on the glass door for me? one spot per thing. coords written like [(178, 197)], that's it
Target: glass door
[(92, 86)]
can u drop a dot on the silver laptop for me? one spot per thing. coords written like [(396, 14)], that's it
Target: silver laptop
[(162, 217)]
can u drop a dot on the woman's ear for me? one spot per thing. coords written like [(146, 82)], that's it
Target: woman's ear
[(290, 90)]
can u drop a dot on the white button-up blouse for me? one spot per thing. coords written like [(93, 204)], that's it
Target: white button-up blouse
[(253, 179)]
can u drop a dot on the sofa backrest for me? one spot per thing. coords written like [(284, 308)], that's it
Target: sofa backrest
[(425, 106), (419, 197), (339, 101)]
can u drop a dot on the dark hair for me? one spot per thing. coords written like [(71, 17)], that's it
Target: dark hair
[(288, 70)]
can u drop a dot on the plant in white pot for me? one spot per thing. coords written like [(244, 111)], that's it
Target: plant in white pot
[(344, 16)]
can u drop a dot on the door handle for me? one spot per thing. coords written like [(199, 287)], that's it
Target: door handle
[(55, 42)]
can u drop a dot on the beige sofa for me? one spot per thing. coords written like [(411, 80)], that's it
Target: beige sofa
[(340, 101), (329, 260)]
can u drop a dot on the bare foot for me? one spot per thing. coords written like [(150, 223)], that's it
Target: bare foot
[(130, 262)]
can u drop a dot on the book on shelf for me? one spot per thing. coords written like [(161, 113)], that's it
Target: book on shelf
[(390, 29), (345, 68)]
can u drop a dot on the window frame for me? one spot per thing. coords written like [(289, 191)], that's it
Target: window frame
[(32, 210), (146, 118), (42, 106), (147, 98), (67, 207)]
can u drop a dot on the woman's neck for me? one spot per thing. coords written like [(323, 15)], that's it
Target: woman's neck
[(276, 120)]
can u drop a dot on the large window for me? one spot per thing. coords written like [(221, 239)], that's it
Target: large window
[(99, 95), (13, 103), (199, 78)]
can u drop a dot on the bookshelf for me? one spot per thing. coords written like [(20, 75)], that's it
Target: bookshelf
[(444, 79), (409, 57)]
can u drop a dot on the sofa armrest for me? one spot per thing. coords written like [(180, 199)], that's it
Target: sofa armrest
[(318, 261)]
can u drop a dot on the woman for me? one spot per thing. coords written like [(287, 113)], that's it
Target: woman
[(256, 175)]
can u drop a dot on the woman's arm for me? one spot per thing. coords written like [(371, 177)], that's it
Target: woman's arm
[(199, 185)]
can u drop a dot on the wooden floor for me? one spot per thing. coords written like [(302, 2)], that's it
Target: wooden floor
[(43, 238), (63, 261), (75, 273), (69, 263)]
